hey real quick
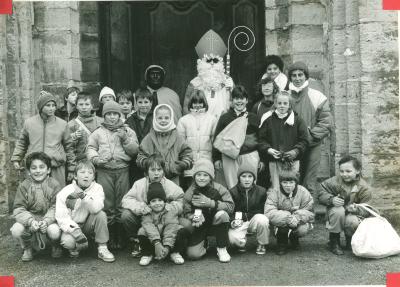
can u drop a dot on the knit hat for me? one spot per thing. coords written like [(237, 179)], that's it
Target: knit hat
[(298, 66), (44, 98), (247, 167), (204, 165), (156, 190), (107, 91), (112, 106)]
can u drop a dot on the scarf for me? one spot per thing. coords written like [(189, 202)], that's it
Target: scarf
[(298, 89), (163, 129), (281, 116), (113, 127), (289, 121)]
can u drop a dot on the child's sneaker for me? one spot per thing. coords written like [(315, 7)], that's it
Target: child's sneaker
[(260, 249), (28, 255), (56, 251), (105, 255), (223, 255), (136, 251), (145, 260), (177, 258), (73, 253)]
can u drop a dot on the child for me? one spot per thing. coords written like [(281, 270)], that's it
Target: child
[(164, 139), (197, 128), (290, 210), (249, 200), (141, 122), (341, 194), (227, 128), (106, 94), (111, 148), (134, 202), (283, 138), (84, 125), (47, 133), (79, 213), (34, 206), (266, 92), (161, 233), (208, 205), (125, 99), (68, 112), (274, 70)]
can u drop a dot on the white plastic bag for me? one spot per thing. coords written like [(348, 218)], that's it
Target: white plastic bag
[(375, 237)]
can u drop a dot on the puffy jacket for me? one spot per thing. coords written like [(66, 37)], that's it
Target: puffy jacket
[(105, 143), (354, 192), (175, 150), (51, 136), (29, 205), (72, 212), (279, 206), (313, 107), (136, 198), (161, 226), (135, 123), (249, 202), (198, 131)]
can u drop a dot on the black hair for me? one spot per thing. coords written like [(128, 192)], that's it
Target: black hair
[(273, 59), (355, 161), (83, 96), (288, 175), (84, 163), (198, 96), (263, 81), (38, 156), (143, 93), (69, 91), (125, 94), (239, 92), (155, 159)]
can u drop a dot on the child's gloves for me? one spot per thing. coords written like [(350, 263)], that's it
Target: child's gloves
[(43, 226), (337, 201), (180, 166), (80, 238), (76, 194), (34, 226), (292, 221)]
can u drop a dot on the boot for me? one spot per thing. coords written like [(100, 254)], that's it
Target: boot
[(334, 243), (282, 240), (294, 241), (348, 242)]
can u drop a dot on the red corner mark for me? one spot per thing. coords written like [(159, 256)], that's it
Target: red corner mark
[(391, 4), (5, 8), (6, 281), (392, 279)]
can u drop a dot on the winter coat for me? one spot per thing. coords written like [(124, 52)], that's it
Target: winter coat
[(105, 143), (261, 107), (354, 192), (136, 198), (176, 150), (198, 130), (249, 202), (279, 206), (62, 113), (72, 212), (29, 205), (217, 192), (313, 107), (135, 123), (251, 141), (51, 136), (161, 226), (276, 133), (80, 144)]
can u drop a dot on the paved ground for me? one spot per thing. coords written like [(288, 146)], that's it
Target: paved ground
[(312, 265)]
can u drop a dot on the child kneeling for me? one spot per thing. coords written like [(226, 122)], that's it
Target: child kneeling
[(34, 206), (161, 233), (79, 212), (290, 210)]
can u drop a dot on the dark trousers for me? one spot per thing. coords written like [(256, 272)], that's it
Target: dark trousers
[(180, 243), (220, 231)]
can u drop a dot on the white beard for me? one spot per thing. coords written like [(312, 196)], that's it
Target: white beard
[(212, 76)]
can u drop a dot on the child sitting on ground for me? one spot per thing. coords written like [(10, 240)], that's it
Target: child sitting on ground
[(165, 140), (79, 212), (207, 205), (34, 207), (161, 233), (249, 199), (125, 99), (341, 194), (290, 210), (283, 138)]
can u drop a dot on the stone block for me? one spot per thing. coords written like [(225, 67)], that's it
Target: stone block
[(314, 62), (57, 44), (271, 19), (56, 19), (338, 11), (271, 43), (338, 43), (88, 21), (371, 11), (90, 70), (56, 4), (88, 5), (306, 39), (307, 14), (89, 48), (275, 3)]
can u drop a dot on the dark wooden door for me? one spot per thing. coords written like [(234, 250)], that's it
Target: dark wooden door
[(137, 34)]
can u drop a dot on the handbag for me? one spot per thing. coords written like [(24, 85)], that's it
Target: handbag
[(375, 237), (231, 138)]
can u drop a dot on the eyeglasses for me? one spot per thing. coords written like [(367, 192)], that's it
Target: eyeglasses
[(214, 60)]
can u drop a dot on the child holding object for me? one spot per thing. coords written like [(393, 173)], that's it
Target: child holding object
[(34, 207), (341, 194)]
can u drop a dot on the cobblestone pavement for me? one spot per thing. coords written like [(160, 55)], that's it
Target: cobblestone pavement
[(312, 265)]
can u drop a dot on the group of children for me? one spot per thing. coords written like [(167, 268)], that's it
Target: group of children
[(137, 176)]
